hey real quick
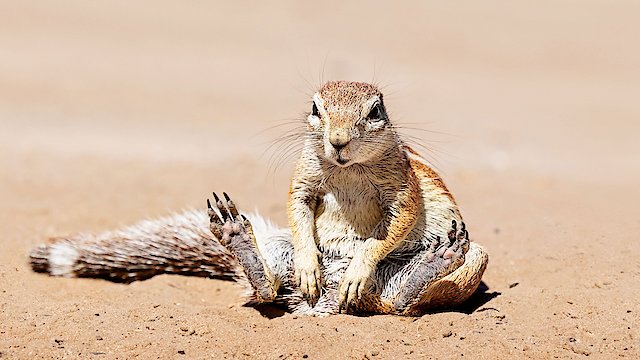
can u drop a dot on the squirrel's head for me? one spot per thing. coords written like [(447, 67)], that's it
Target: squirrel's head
[(351, 123)]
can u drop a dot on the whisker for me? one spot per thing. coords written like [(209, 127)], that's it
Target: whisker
[(421, 142), (310, 88), (282, 124), (283, 141), (290, 141), (404, 127), (282, 158)]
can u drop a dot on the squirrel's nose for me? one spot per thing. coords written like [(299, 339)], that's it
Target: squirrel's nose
[(339, 139), (339, 146)]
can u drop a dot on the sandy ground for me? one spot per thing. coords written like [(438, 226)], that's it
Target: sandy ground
[(115, 111)]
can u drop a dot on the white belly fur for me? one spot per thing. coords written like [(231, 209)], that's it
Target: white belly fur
[(342, 219)]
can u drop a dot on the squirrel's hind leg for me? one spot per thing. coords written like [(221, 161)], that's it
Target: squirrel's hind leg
[(440, 276), (455, 288), (265, 254), (235, 233)]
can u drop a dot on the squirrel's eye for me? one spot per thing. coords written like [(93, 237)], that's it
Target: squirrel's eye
[(314, 110), (375, 112)]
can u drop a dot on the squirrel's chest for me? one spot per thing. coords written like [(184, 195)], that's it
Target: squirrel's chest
[(348, 211)]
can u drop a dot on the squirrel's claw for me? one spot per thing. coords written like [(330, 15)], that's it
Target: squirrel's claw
[(231, 205), (215, 221), (222, 208)]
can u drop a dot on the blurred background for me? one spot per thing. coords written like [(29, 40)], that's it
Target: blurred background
[(113, 111), (547, 87)]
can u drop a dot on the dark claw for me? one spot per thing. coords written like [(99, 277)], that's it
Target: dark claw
[(245, 221), (222, 208), (454, 225), (353, 301), (344, 305), (451, 236), (232, 206), (210, 211), (213, 217), (435, 245), (215, 221)]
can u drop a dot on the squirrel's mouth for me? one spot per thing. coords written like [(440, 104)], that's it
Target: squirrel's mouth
[(342, 161)]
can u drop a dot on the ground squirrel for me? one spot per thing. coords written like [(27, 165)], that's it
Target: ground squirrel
[(373, 229)]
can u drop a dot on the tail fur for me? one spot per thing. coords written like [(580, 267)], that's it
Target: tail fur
[(178, 244)]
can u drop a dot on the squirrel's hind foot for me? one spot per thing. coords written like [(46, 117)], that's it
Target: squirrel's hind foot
[(235, 233), (458, 244)]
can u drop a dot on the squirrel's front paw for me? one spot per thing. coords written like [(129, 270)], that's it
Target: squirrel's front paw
[(308, 275), (353, 284)]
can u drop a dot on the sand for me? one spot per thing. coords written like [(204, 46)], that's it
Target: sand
[(115, 111)]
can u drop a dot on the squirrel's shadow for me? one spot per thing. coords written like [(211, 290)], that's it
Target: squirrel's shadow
[(478, 299)]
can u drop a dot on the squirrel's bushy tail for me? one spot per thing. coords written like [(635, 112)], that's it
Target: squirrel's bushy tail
[(178, 244)]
